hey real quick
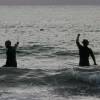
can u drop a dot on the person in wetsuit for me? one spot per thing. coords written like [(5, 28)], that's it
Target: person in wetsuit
[(84, 52), (10, 54)]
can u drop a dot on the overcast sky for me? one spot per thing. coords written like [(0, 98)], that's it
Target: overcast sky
[(53, 2)]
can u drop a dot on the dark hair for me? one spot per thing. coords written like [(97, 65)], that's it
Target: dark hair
[(8, 42), (85, 41)]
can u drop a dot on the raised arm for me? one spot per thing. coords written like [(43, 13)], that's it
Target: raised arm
[(16, 45), (93, 57), (77, 40)]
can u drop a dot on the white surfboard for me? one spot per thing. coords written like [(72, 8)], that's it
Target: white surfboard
[(88, 68)]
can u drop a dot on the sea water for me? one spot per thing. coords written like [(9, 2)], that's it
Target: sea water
[(47, 53)]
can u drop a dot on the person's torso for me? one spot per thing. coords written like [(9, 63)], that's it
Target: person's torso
[(11, 54), (84, 52)]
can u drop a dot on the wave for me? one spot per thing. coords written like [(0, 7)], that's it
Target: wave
[(43, 50), (47, 51), (67, 53), (38, 77)]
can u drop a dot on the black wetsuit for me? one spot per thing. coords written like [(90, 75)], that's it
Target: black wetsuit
[(11, 57), (84, 53)]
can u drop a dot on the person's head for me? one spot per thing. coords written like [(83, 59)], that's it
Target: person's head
[(8, 43), (85, 42)]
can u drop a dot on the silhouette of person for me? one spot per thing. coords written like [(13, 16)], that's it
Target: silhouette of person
[(84, 52), (10, 54)]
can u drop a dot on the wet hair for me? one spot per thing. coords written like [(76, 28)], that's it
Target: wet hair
[(8, 43), (85, 42)]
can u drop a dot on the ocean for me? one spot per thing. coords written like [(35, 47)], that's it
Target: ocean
[(47, 55)]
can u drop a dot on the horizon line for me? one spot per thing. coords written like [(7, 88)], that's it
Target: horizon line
[(49, 4)]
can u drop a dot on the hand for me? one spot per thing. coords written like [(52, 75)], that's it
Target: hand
[(17, 42), (78, 35)]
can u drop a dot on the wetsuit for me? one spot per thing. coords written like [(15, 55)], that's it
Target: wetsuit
[(11, 57), (84, 53)]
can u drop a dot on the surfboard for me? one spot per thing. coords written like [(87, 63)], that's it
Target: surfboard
[(88, 68)]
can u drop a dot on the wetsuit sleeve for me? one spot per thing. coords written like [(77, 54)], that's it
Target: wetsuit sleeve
[(77, 42), (92, 55)]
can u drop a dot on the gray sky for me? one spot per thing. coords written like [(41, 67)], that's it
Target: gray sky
[(53, 2)]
